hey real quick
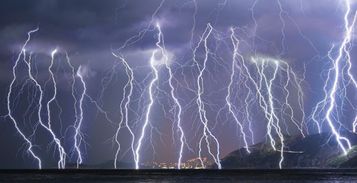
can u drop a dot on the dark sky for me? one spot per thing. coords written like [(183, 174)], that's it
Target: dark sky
[(90, 30)]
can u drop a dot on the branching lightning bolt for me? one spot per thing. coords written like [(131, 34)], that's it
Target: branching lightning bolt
[(172, 92), (10, 114), (148, 110), (343, 53), (200, 103), (130, 74), (62, 153), (228, 97)]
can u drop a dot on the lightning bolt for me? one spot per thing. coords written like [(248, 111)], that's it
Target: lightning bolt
[(149, 106), (228, 97), (61, 151), (264, 89), (283, 25), (161, 49), (201, 107), (172, 92), (78, 115), (125, 112), (346, 49), (273, 120), (78, 134), (75, 103), (337, 69), (9, 109)]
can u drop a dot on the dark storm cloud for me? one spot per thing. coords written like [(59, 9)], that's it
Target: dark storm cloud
[(76, 25), (82, 26)]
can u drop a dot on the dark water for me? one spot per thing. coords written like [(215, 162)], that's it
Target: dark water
[(185, 176)]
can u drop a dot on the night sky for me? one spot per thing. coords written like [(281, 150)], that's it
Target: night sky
[(299, 33)]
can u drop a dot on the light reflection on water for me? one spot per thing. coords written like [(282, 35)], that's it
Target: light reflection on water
[(186, 177)]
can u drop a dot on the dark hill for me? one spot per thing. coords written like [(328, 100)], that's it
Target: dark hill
[(313, 151)]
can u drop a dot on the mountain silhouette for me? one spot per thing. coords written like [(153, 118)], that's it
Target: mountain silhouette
[(312, 151)]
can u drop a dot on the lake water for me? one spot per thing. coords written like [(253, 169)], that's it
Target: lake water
[(184, 176)]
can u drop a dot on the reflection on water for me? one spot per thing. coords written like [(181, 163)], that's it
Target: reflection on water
[(246, 176)]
